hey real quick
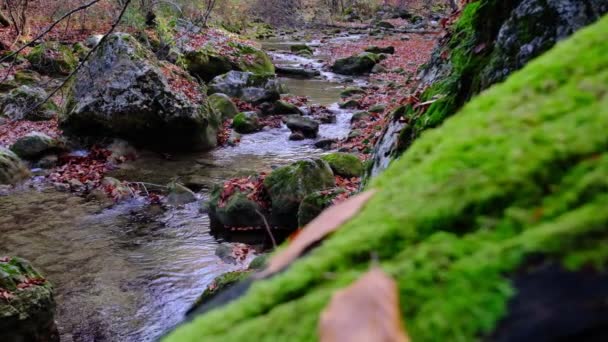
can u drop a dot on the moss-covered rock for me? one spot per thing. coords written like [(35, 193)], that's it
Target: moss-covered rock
[(306, 126), (21, 103), (125, 91), (283, 107), (53, 58), (12, 169), (247, 86), (350, 91), (236, 211), (301, 49), (246, 122), (359, 116), (27, 306), (355, 65), (218, 285), (515, 182), (223, 105), (259, 262), (314, 204), (289, 185), (36, 144), (344, 164)]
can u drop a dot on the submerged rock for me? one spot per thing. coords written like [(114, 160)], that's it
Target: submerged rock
[(20, 104), (247, 86), (126, 92), (12, 169), (289, 185), (27, 306), (356, 65)]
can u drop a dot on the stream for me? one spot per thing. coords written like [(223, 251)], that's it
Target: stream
[(129, 272)]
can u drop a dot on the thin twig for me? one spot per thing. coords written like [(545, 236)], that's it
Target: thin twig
[(84, 60), (268, 229), (50, 28)]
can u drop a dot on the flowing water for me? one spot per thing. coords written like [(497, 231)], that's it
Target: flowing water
[(130, 271)]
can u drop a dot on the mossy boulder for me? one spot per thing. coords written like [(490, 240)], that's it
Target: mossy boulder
[(247, 86), (289, 185), (301, 49), (246, 122), (27, 306), (350, 91), (12, 169), (259, 262), (35, 145), (223, 105), (510, 192), (236, 211), (359, 116), (379, 49), (308, 127), (53, 59), (208, 62), (344, 164), (126, 92), (356, 65), (20, 104), (314, 204), (349, 104), (285, 108)]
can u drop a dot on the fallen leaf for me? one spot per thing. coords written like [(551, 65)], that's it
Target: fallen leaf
[(328, 222), (367, 310)]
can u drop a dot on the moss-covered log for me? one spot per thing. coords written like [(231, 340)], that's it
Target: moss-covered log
[(520, 173)]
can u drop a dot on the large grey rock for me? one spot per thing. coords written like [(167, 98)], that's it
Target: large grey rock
[(247, 86), (35, 145), (307, 126), (21, 103), (12, 169), (125, 91)]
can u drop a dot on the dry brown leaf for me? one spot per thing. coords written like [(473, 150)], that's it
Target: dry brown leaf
[(329, 221), (367, 310)]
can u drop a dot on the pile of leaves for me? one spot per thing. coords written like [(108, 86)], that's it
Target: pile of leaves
[(82, 172), (222, 42), (351, 185), (272, 121), (223, 135), (12, 131), (252, 186), (180, 82), (244, 106)]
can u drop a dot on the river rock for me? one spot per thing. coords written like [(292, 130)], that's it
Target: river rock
[(297, 71), (247, 86), (326, 144), (27, 306), (35, 144), (19, 104), (289, 185), (12, 169), (223, 105), (125, 91), (236, 211), (307, 126), (349, 104), (283, 108), (344, 164), (207, 62), (355, 65), (302, 50), (377, 49), (53, 59), (359, 116), (350, 91), (314, 204), (246, 122)]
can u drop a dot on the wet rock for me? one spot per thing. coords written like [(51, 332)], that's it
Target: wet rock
[(326, 144), (223, 105), (12, 169), (289, 185), (359, 116), (36, 144), (259, 263), (301, 49), (180, 195), (28, 310), (349, 104), (297, 136), (20, 103), (377, 49), (344, 164), (307, 126), (297, 71), (247, 86), (247, 122), (208, 63), (53, 59), (355, 65), (326, 117), (378, 69), (350, 91), (127, 92), (282, 107), (238, 210), (314, 204)]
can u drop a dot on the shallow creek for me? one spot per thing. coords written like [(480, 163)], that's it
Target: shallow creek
[(129, 272)]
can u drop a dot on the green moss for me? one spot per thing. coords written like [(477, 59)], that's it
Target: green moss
[(521, 171), (219, 284), (223, 105), (245, 123), (53, 58), (314, 204), (344, 164)]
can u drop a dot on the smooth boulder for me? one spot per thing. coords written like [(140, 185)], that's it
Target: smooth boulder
[(356, 65), (246, 122), (127, 92), (344, 164), (307, 126)]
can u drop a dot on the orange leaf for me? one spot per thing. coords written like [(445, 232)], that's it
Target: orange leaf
[(328, 222), (367, 310)]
